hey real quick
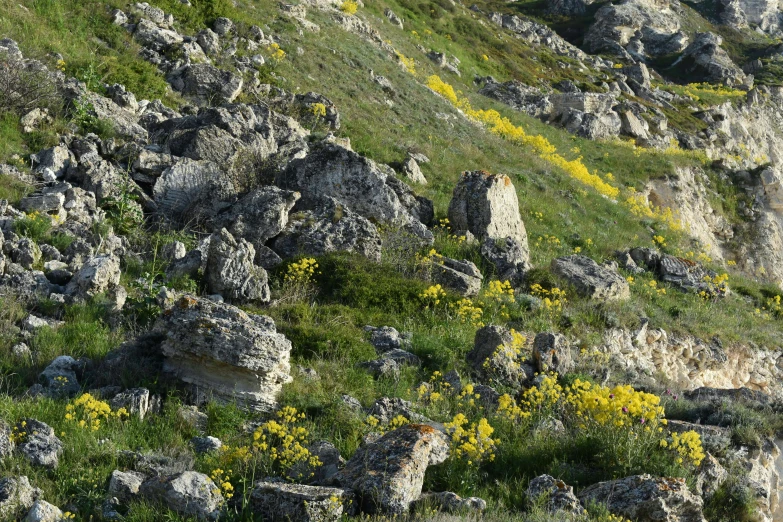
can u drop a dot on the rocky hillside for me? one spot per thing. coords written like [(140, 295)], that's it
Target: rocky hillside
[(335, 260)]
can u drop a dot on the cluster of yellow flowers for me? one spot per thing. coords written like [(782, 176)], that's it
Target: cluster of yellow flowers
[(468, 312), (432, 295), (548, 241), (659, 241), (318, 110), (638, 205), (431, 391), (619, 406), (349, 7), (275, 52), (467, 396), (19, 433), (221, 480), (409, 64), (504, 128), (651, 288), (375, 424), (687, 445), (500, 292), (506, 357), (472, 442), (717, 285), (301, 272), (696, 90), (554, 299), (88, 412), (284, 441)]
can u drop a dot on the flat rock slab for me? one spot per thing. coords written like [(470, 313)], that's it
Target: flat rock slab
[(590, 279)]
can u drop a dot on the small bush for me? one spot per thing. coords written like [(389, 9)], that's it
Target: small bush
[(24, 85)]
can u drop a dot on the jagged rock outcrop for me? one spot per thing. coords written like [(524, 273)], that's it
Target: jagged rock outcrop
[(590, 279), (225, 353), (486, 205), (387, 475), (691, 363), (706, 60), (638, 28), (497, 357), (519, 96), (511, 259), (552, 353), (320, 225), (647, 499), (762, 14), (359, 184), (539, 34), (38, 444), (462, 277)]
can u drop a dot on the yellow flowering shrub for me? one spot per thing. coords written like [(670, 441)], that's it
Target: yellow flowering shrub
[(468, 312), (221, 480), (374, 424), (318, 110), (275, 52), (301, 272), (432, 296), (639, 206), (715, 286), (349, 7), (88, 412), (472, 442), (506, 360), (687, 446), (499, 295), (504, 128), (553, 300), (283, 441), (409, 64)]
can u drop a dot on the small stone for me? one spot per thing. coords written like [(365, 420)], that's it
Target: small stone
[(188, 493), (206, 444), (552, 353), (43, 511), (125, 484), (560, 496), (38, 443)]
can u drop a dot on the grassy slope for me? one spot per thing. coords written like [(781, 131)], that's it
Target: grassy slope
[(327, 334)]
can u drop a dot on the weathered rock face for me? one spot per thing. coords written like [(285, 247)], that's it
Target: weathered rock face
[(225, 353), (258, 216), (451, 502), (687, 275), (486, 205), (356, 182), (42, 511), (691, 363), (231, 271), (188, 493), (125, 484), (205, 84), (322, 225), (99, 274), (39, 444), (647, 499), (519, 96), (646, 27), (278, 501), (511, 259), (559, 494), (763, 14), (16, 496), (496, 356), (706, 60), (186, 191), (552, 353), (711, 475), (539, 34), (462, 277), (591, 279), (59, 378), (387, 475)]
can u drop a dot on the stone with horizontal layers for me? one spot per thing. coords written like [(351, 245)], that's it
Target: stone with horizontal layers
[(590, 279), (282, 502), (225, 353)]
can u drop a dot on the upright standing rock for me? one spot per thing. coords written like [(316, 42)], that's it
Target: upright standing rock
[(225, 353), (486, 205), (231, 271)]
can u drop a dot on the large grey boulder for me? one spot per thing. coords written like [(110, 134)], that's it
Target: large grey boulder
[(359, 184), (590, 279), (710, 476), (519, 96), (705, 60), (231, 271), (188, 493), (56, 160), (16, 497), (486, 205), (206, 84), (322, 225), (225, 353), (39, 444), (282, 502), (99, 274), (125, 485), (60, 377), (387, 475), (645, 498), (560, 496), (149, 35)]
